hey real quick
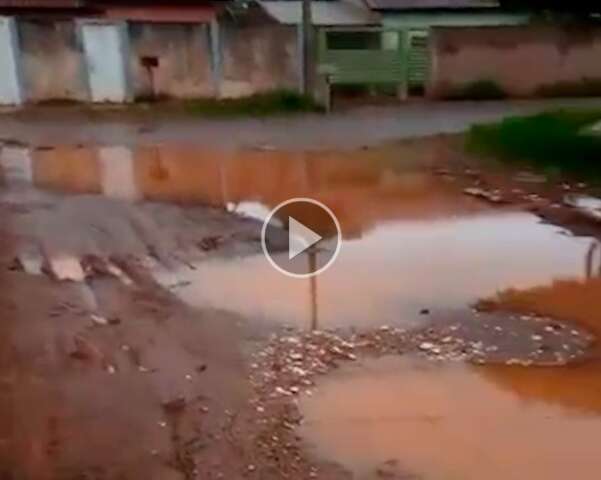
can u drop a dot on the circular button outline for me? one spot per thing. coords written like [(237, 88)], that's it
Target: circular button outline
[(338, 237)]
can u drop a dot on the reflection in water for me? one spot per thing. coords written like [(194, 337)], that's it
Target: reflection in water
[(411, 242), (395, 270), (590, 260), (446, 422), (361, 187), (313, 285), (16, 165)]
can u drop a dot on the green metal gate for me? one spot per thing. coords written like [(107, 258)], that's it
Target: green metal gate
[(418, 59), (372, 56), (361, 56)]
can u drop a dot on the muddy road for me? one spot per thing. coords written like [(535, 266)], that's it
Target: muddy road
[(370, 126), (146, 336)]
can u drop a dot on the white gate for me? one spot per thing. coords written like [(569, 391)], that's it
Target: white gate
[(10, 88), (105, 47)]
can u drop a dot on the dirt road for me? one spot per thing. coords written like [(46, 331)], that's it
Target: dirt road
[(105, 374), (344, 129)]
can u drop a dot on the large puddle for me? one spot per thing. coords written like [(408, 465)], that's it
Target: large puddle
[(413, 244), (411, 241), (407, 418)]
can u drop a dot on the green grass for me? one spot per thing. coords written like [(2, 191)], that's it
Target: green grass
[(478, 90), (552, 142), (277, 102)]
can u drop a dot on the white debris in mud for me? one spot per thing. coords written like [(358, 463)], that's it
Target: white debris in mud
[(31, 260), (491, 196), (585, 204), (98, 319), (66, 267)]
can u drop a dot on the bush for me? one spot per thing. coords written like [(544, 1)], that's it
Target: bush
[(478, 90), (551, 141)]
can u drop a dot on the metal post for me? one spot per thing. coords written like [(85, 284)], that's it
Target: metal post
[(307, 48), (216, 56)]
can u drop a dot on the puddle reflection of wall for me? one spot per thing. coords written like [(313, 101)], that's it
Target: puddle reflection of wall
[(357, 186), (16, 165), (117, 170), (391, 273), (67, 168)]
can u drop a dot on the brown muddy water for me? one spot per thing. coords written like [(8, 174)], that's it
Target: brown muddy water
[(411, 241), (413, 419), (413, 244)]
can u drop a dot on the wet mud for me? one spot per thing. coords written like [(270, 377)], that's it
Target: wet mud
[(454, 337)]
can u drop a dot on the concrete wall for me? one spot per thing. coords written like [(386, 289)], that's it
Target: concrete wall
[(259, 58), (523, 61), (51, 60), (183, 56)]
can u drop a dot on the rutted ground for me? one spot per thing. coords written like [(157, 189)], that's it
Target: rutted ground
[(112, 376)]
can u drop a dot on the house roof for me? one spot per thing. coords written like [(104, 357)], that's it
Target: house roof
[(431, 4), (41, 3), (324, 13), (165, 14)]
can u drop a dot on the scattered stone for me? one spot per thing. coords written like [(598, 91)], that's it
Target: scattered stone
[(98, 319), (490, 196)]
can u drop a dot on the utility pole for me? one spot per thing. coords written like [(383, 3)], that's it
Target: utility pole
[(307, 47)]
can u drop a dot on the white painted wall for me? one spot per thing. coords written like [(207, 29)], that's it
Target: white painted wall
[(105, 47), (10, 87)]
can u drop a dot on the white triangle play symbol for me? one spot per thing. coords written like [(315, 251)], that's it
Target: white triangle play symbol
[(300, 238)]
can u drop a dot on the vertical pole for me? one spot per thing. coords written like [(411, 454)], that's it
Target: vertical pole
[(313, 289), (404, 46), (307, 48), (216, 56)]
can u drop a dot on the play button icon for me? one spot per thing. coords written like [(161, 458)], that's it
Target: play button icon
[(301, 237)]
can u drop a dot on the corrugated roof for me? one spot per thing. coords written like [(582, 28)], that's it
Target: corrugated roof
[(430, 4), (163, 14), (330, 13)]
